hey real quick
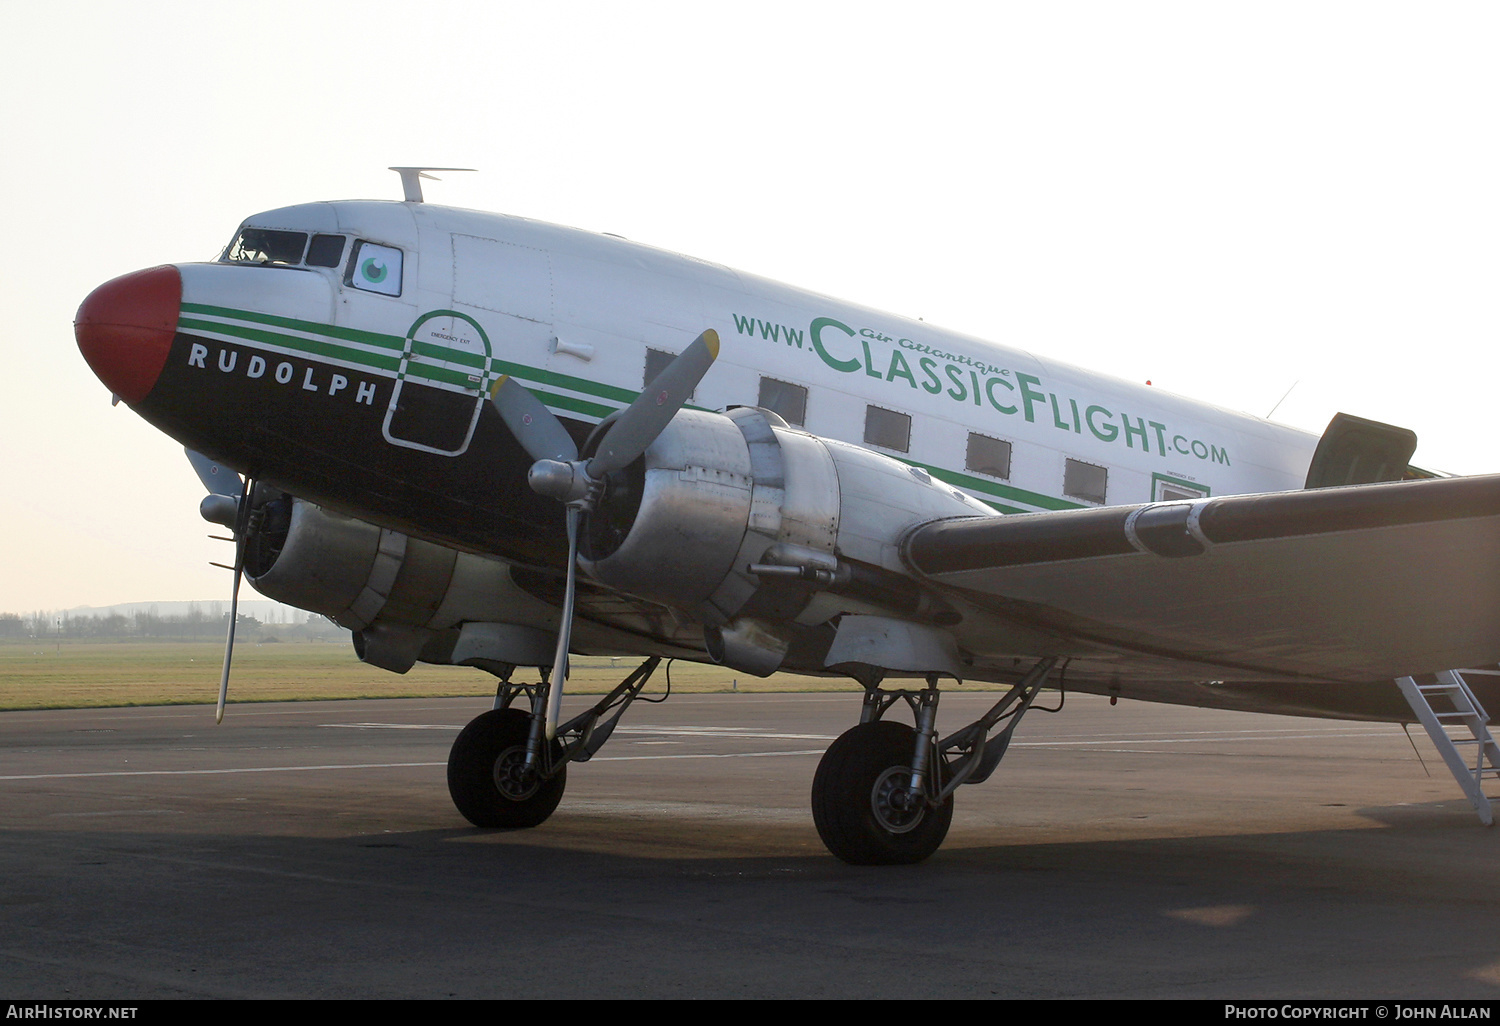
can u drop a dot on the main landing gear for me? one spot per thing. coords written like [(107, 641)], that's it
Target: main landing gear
[(503, 772), (883, 793)]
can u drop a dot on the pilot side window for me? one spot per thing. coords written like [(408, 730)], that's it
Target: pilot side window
[(888, 429), (786, 400), (988, 456), (375, 268), (325, 251), (267, 246), (1085, 481)]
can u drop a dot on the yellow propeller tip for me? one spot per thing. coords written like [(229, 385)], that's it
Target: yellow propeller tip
[(498, 382), (711, 339)]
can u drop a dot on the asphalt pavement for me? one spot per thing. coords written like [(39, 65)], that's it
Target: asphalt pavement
[(310, 850)]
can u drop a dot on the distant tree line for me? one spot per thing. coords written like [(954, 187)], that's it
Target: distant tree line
[(197, 624)]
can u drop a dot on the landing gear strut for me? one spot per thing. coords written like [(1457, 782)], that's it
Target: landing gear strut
[(502, 772), (883, 793)]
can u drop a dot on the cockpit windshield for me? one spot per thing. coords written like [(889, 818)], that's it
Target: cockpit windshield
[(267, 246)]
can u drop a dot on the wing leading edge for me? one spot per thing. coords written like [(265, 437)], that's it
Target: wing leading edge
[(1336, 586)]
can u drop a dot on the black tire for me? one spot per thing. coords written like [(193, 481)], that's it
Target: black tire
[(486, 776), (851, 794)]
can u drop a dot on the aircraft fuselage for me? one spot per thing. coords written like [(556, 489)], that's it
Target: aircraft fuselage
[(369, 395)]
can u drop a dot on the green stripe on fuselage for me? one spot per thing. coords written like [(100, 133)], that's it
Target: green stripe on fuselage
[(447, 355), (369, 338), (568, 402), (623, 396), (348, 354), (395, 344), (1035, 500), (390, 342)]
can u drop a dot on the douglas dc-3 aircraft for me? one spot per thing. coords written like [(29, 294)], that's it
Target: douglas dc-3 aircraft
[(481, 440)]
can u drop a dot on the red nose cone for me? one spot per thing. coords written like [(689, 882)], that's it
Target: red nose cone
[(125, 329)]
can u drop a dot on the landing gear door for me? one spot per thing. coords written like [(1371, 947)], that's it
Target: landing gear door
[(442, 384)]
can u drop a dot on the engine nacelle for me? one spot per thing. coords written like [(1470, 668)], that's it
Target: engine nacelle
[(403, 598), (742, 522)]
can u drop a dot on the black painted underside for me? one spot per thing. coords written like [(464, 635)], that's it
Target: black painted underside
[(329, 449)]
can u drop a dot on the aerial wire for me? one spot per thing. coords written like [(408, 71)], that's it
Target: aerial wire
[(1283, 398)]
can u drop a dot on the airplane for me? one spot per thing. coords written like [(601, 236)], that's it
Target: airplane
[(477, 439)]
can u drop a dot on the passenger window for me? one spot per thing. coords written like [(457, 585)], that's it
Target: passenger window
[(988, 456), (325, 251), (786, 400), (267, 246), (887, 429), (375, 268), (1085, 481)]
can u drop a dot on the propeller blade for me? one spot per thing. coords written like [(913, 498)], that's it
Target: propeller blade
[(655, 407), (241, 531), (234, 611), (558, 473), (217, 478), (540, 433), (564, 627)]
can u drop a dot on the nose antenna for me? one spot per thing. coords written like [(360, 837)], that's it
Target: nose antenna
[(411, 179)]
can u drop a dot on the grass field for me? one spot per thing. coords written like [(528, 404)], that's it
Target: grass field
[(83, 674)]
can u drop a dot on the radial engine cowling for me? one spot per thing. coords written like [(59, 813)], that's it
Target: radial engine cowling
[(403, 598), (717, 495)]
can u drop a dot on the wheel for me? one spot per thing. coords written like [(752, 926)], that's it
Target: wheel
[(487, 774), (860, 799)]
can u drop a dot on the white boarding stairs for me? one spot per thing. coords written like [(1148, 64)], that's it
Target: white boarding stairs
[(1453, 717)]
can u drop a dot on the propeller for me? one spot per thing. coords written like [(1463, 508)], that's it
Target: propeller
[(241, 537), (559, 473), (227, 504), (655, 407)]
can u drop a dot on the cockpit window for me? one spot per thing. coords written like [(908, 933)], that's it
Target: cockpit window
[(325, 251), (375, 268), (267, 246)]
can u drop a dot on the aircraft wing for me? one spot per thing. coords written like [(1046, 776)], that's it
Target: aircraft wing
[(1292, 601)]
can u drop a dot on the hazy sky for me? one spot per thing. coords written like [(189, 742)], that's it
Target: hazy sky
[(1221, 198)]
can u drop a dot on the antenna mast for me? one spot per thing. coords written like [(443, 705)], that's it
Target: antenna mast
[(411, 180)]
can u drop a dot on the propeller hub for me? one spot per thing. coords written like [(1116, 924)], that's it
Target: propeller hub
[(565, 482), (220, 509)]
